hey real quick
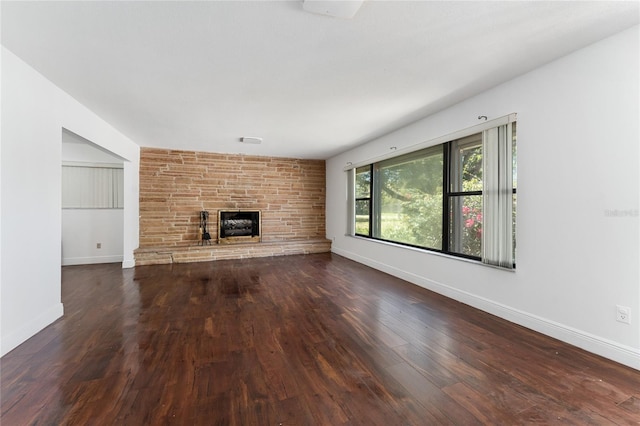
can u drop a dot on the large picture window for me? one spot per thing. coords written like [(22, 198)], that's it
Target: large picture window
[(456, 197), (408, 199)]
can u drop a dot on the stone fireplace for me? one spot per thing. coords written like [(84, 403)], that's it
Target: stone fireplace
[(238, 226), (288, 194)]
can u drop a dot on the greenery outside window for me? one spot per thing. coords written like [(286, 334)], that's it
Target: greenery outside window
[(408, 199)]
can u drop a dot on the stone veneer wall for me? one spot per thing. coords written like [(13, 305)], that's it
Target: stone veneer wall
[(176, 185)]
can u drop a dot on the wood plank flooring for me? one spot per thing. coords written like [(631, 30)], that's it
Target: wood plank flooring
[(295, 340)]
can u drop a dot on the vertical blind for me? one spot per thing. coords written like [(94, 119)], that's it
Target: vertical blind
[(85, 187), (497, 241)]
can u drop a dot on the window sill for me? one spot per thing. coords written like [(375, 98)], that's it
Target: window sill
[(430, 252)]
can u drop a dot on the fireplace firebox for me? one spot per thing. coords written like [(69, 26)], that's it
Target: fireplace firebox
[(238, 227)]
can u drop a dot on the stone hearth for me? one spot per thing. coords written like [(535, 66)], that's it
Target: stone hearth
[(176, 254)]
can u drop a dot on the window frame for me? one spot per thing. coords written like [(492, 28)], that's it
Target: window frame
[(449, 168), (369, 199)]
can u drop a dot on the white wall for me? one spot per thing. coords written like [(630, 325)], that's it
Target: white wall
[(34, 112), (78, 149), (578, 161), (83, 229)]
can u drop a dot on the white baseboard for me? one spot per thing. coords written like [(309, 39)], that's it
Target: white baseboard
[(14, 339), (614, 351), (68, 261)]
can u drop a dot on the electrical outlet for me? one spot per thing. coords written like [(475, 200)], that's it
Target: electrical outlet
[(99, 245), (623, 314)]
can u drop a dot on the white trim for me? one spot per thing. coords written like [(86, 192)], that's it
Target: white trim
[(90, 260), (439, 140), (29, 329), (606, 348), (93, 165), (126, 264), (92, 208)]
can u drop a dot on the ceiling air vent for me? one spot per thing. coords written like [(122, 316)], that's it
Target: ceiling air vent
[(345, 9)]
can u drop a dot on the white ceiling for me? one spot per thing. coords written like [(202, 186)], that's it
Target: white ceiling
[(200, 75)]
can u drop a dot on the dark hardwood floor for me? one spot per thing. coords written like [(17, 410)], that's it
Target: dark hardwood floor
[(297, 340)]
